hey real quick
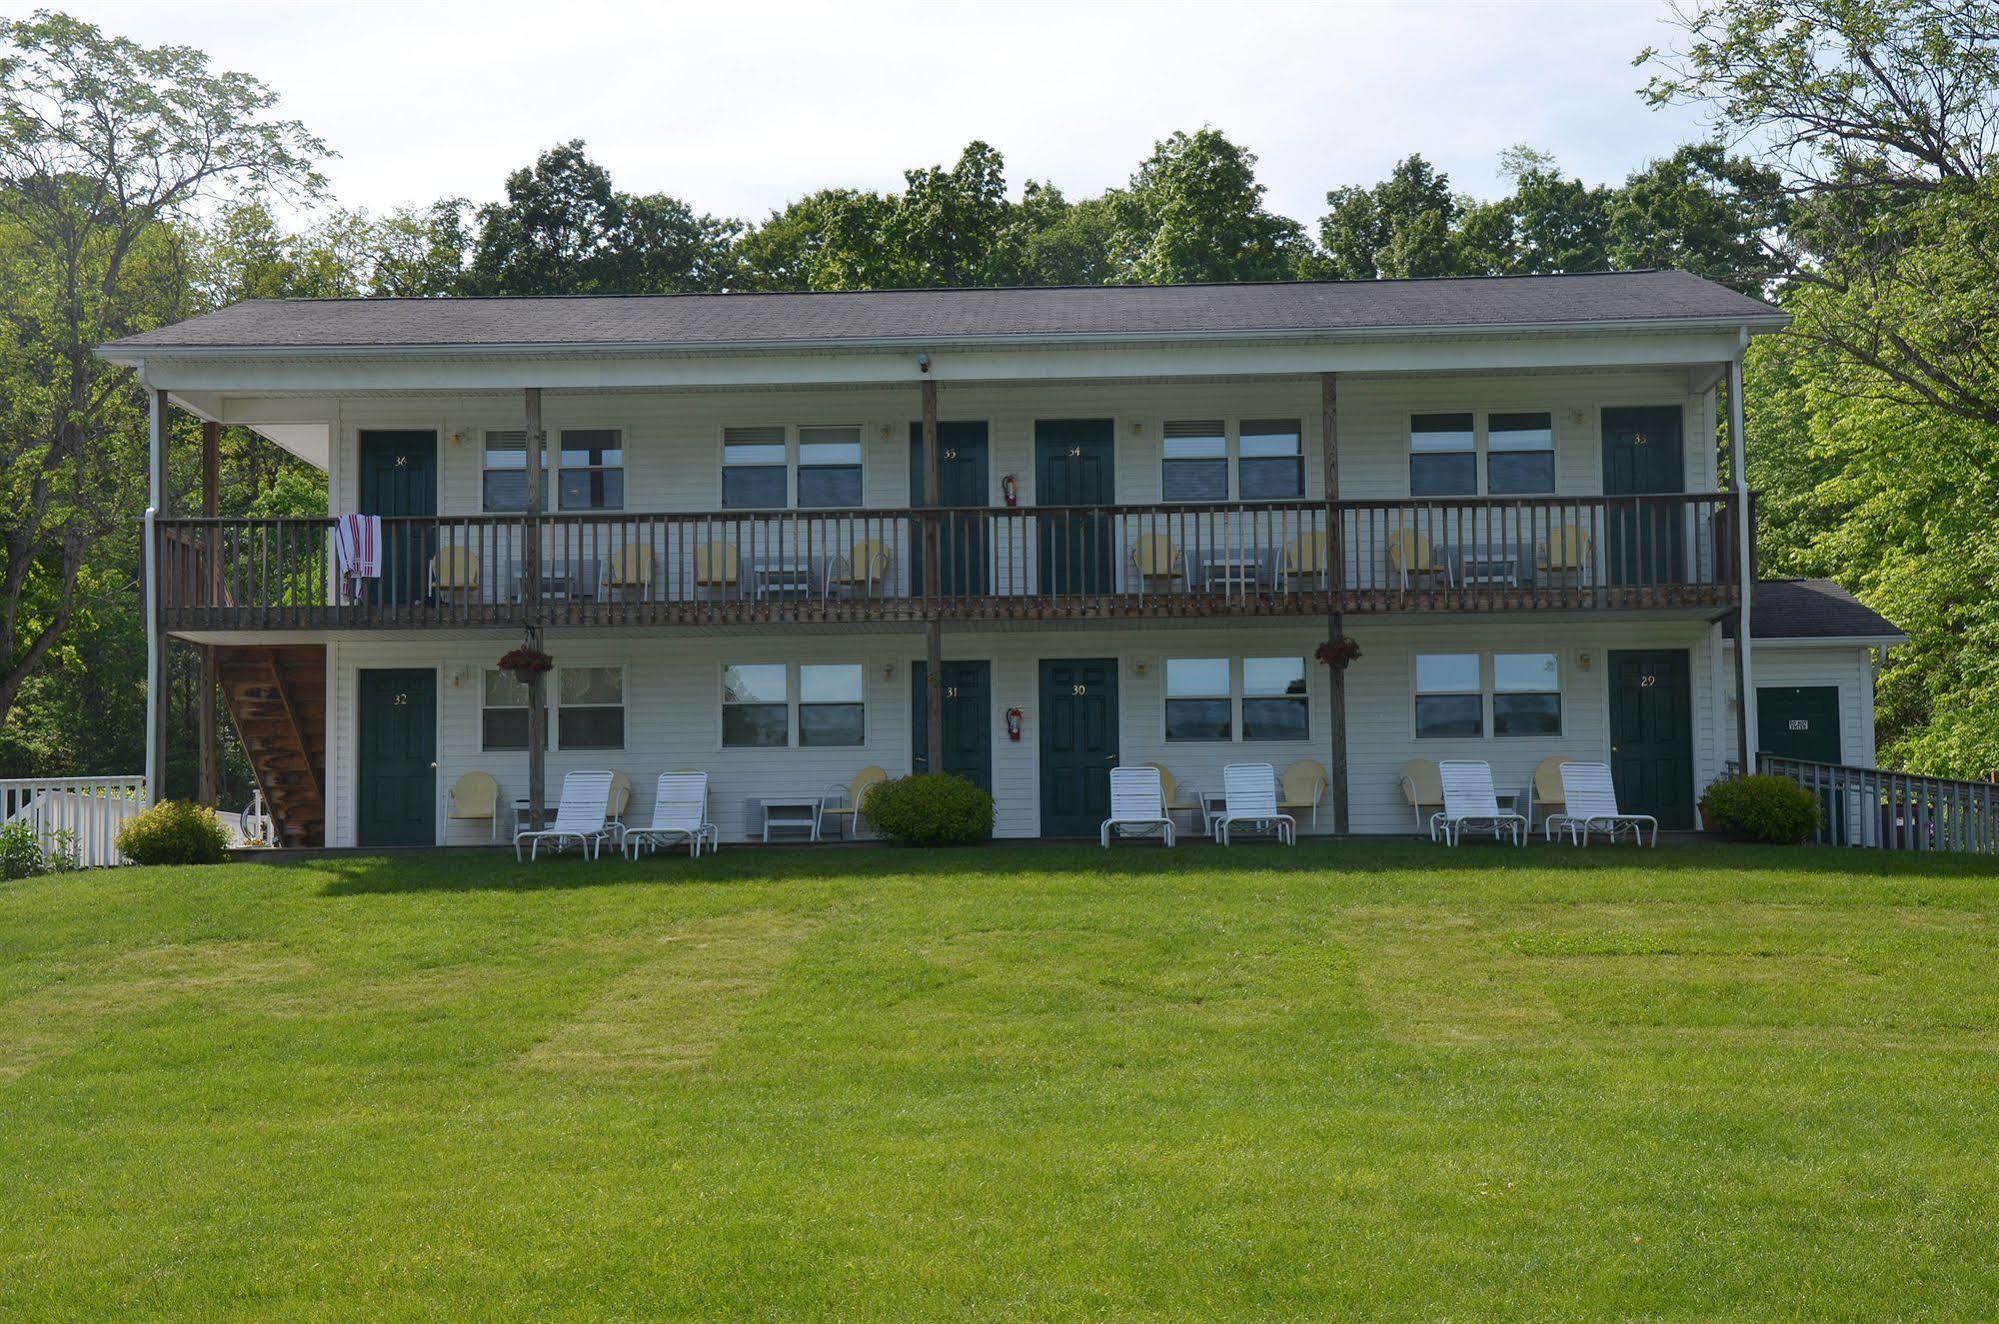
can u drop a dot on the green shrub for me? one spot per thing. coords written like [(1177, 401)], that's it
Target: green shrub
[(1773, 809), (174, 832), (929, 810), (23, 855)]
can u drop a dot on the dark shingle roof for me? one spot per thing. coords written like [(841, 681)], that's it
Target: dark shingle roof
[(920, 316), (1812, 609)]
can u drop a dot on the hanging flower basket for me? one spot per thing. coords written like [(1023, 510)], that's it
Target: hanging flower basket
[(1338, 652), (526, 664)]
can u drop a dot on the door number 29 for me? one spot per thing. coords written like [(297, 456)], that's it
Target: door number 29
[(1647, 682)]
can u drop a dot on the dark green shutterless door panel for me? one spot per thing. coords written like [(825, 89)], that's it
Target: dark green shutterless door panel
[(962, 484), (1073, 466), (1079, 744), (1652, 734), (968, 721), (399, 477), (397, 781), (1802, 722), (1644, 452)]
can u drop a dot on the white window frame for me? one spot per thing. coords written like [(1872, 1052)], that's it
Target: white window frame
[(1481, 451), (552, 731), (623, 706), (1488, 692), (791, 444), (1237, 693), (793, 686), (486, 436), (1232, 458), (622, 468)]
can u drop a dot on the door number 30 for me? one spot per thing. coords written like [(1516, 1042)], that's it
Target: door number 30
[(1079, 689)]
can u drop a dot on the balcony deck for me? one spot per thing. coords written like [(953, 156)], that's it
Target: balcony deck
[(1445, 555)]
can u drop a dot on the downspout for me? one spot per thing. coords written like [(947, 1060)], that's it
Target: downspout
[(149, 560), (1744, 552)]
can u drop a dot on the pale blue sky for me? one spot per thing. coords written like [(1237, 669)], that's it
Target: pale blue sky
[(739, 106)]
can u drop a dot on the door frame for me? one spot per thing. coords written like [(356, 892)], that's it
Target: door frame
[(917, 714), (1838, 715), (988, 529), (1686, 653), (1602, 440), (1116, 662), (353, 725), (1043, 571), (440, 434)]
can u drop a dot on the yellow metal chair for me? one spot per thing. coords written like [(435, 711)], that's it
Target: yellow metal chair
[(628, 572), (1303, 786), (1305, 558), (614, 808), (717, 567), (1423, 786), (849, 813), (1545, 792), (1410, 556), (1566, 552), (862, 572), (1169, 792), (1155, 557), (475, 796), (454, 575)]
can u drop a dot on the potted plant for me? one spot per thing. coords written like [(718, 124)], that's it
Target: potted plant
[(1339, 653), (526, 663)]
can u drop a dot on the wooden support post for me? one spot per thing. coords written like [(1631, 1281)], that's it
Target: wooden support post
[(1738, 463), (531, 606), (208, 782), (1336, 573), (933, 676)]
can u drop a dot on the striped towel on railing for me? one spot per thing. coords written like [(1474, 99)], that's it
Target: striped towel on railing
[(358, 540)]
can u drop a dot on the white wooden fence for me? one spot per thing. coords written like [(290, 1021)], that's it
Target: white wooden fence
[(91, 808), (1895, 810)]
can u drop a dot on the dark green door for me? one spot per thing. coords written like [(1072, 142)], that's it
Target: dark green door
[(398, 758), (968, 721), (1652, 735), (962, 480), (1078, 745), (1802, 722), (1643, 452), (1072, 467), (399, 478)]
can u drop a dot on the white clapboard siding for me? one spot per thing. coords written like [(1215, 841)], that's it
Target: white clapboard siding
[(672, 714), (1850, 669)]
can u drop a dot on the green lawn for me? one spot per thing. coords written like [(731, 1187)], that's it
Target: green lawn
[(1385, 1081)]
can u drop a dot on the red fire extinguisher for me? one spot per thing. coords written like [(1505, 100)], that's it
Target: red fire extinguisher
[(1013, 719), (1010, 493)]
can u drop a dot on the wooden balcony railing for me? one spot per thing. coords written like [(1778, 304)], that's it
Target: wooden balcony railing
[(1251, 559)]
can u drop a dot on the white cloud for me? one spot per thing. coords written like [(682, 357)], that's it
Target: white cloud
[(738, 107)]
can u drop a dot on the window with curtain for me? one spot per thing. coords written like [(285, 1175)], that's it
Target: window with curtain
[(829, 468), (1443, 455), (1270, 460), (753, 469), (592, 471), (1526, 694), (1450, 697), (831, 707), (503, 713), (1520, 454), (504, 476), (1198, 699), (1194, 464), (1274, 706), (590, 707)]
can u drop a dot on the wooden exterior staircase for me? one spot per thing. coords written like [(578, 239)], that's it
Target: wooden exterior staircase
[(277, 699)]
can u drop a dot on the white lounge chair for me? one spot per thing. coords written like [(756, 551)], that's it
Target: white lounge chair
[(582, 816), (1138, 804), (679, 813), (1249, 794), (1470, 802), (1590, 804)]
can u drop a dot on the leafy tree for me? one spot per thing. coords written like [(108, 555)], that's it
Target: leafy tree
[(1063, 242), (564, 230), (787, 252), (420, 252), (1704, 211), (1194, 212), (1404, 226), (104, 145)]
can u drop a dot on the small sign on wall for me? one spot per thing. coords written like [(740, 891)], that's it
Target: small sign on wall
[(1801, 724)]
